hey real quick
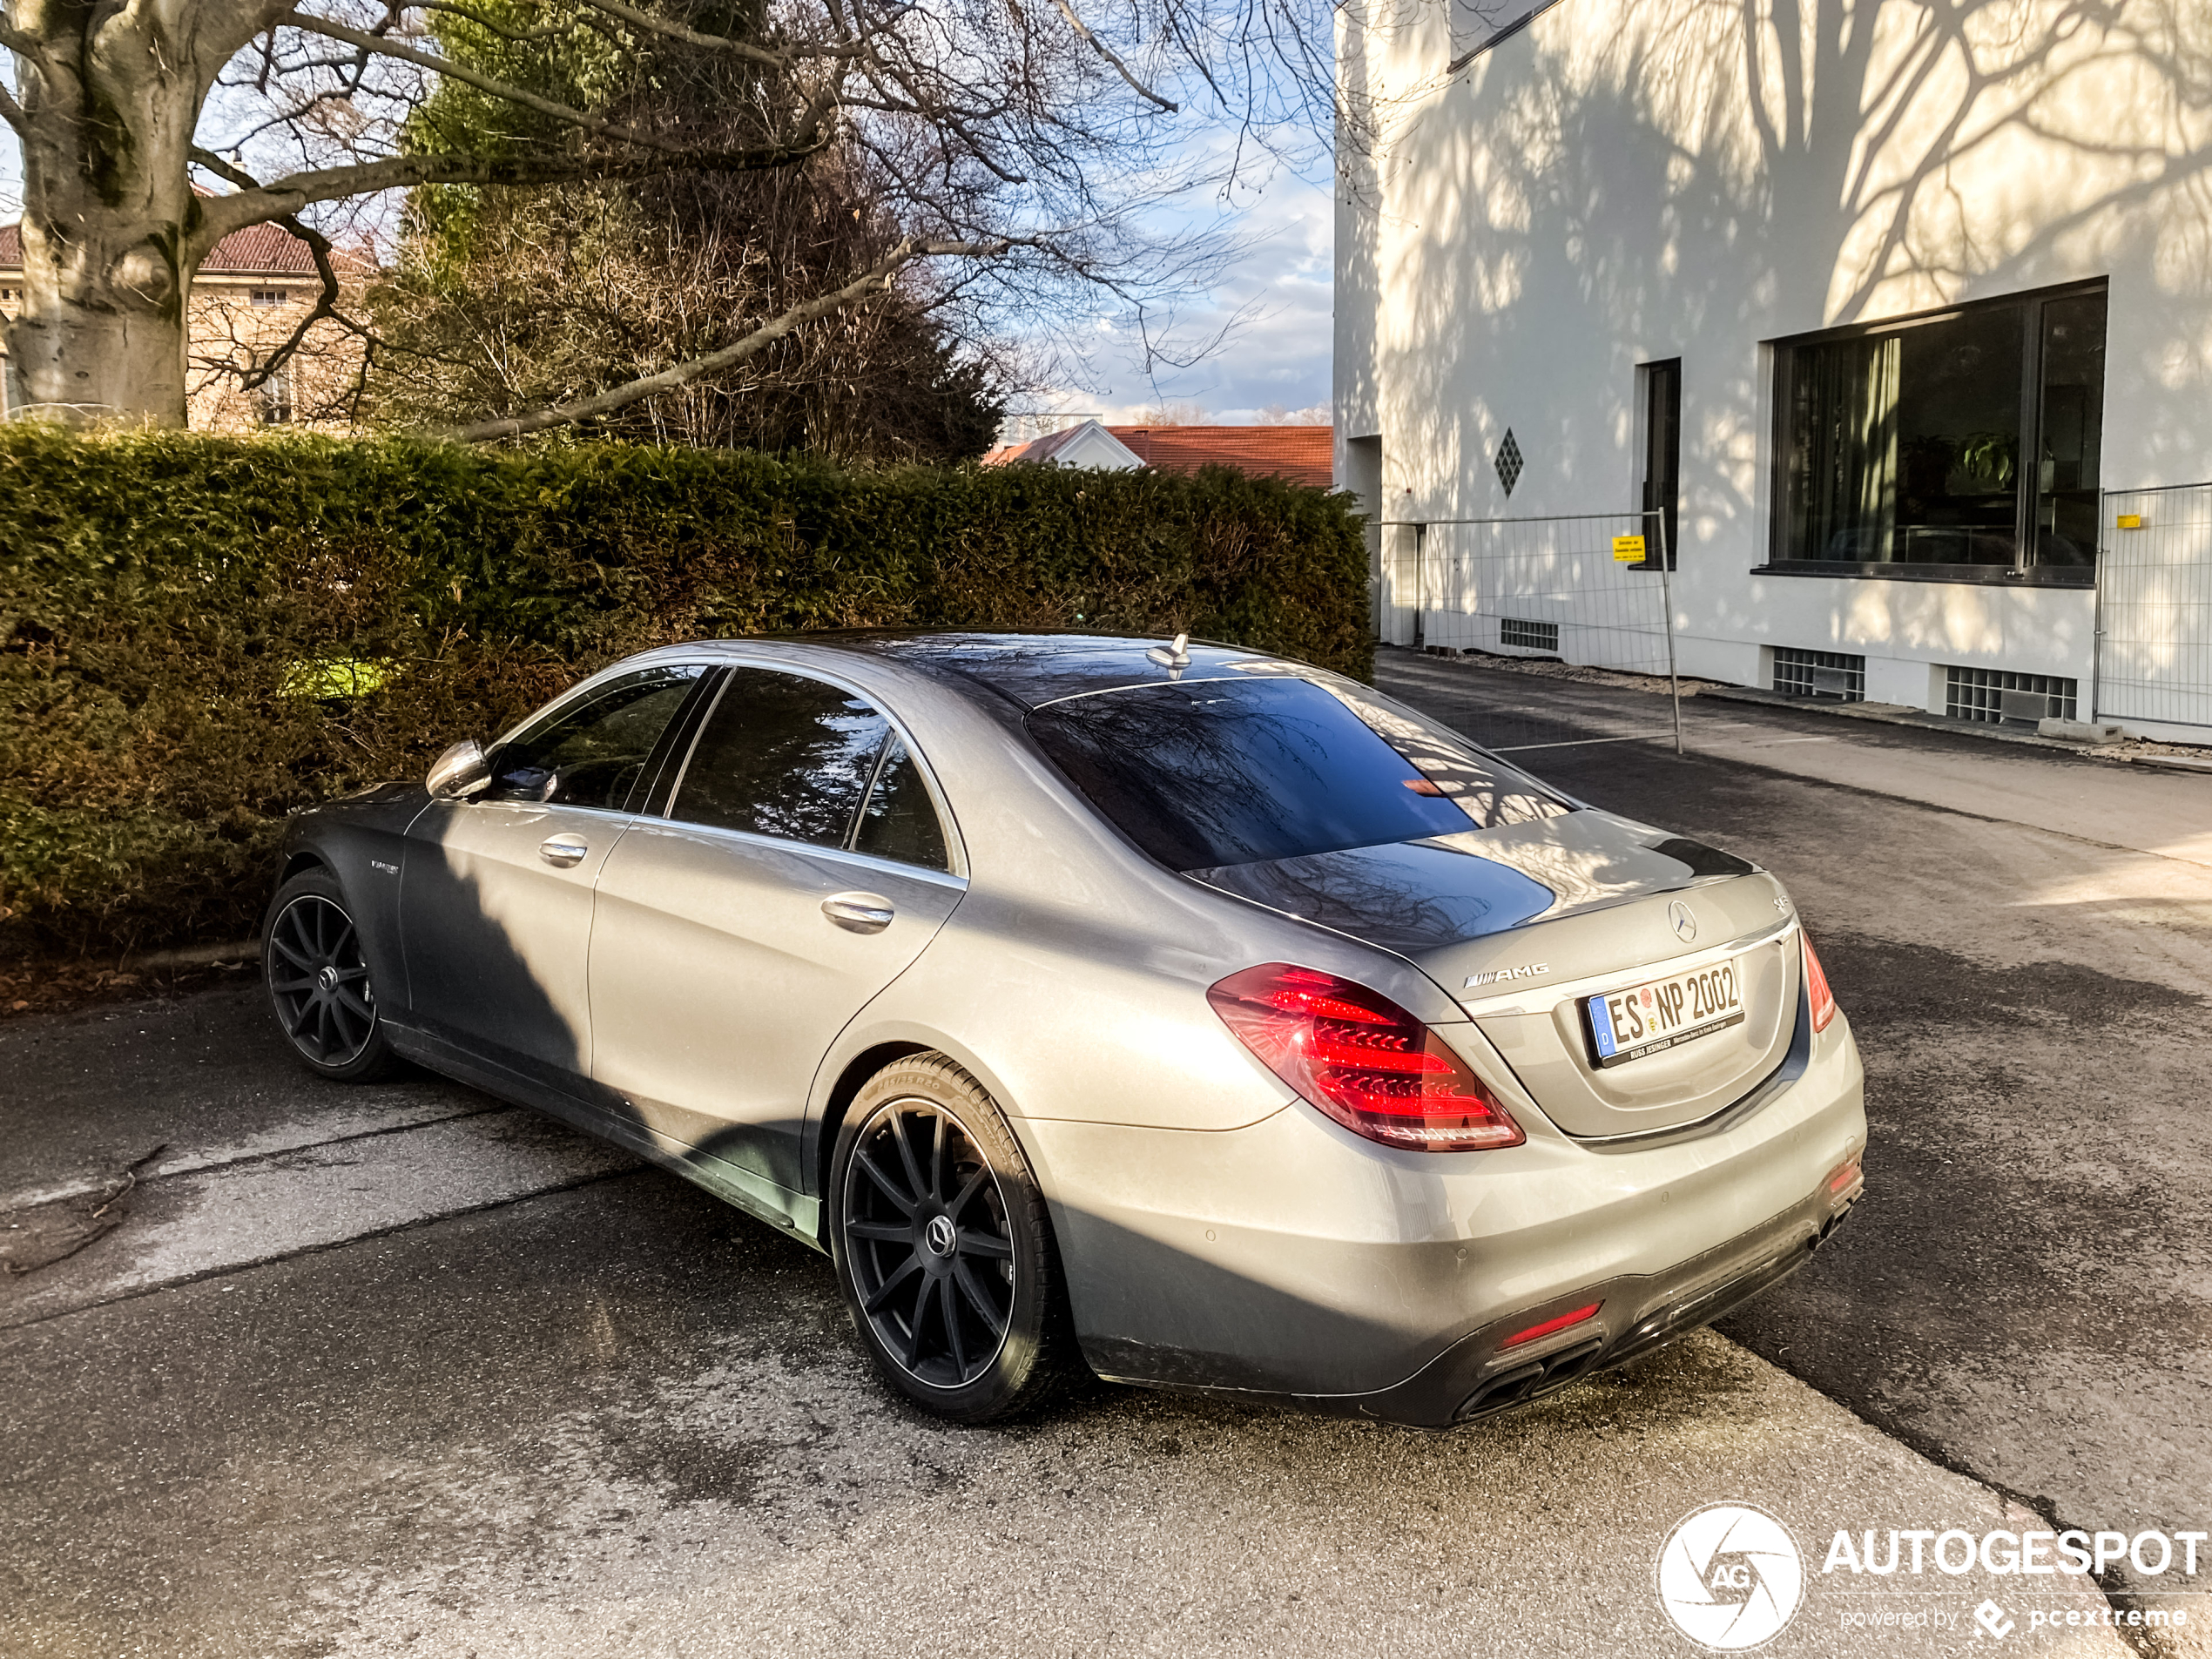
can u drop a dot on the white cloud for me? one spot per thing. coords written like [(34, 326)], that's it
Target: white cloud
[(1276, 302)]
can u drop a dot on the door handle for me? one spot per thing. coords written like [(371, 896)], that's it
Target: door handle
[(860, 912), (564, 852)]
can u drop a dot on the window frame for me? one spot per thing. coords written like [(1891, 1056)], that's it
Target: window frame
[(279, 396), (663, 807), (2023, 571), (656, 758), (1649, 377)]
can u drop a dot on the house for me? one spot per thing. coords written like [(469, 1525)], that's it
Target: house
[(1300, 453), (250, 295), (1893, 320), (1085, 444)]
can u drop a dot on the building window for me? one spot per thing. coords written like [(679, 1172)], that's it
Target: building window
[(1820, 673), (1968, 438), (1662, 456), (270, 296), (1995, 695), (275, 396)]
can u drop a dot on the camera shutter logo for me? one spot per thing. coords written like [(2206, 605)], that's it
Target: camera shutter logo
[(1730, 1577)]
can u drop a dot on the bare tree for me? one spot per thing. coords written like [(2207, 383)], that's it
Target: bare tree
[(500, 301), (1018, 140)]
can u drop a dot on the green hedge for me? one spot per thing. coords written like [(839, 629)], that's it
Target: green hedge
[(197, 634)]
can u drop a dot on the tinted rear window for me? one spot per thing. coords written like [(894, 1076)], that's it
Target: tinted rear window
[(1208, 773)]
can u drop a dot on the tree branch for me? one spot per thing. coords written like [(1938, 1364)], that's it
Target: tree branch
[(446, 66), (874, 279), (25, 45), (671, 31), (259, 204), (325, 306), (490, 26), (1107, 52)]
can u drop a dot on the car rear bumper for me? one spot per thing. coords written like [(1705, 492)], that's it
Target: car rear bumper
[(1293, 1262)]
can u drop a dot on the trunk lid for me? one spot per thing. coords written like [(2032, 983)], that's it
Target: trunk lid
[(1522, 922)]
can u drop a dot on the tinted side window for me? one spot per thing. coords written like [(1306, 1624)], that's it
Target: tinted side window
[(901, 821), (593, 754), (1211, 772), (781, 755)]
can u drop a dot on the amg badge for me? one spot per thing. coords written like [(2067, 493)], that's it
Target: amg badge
[(1526, 970)]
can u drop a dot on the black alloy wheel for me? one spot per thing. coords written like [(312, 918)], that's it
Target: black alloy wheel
[(942, 1246), (925, 1224), (317, 971)]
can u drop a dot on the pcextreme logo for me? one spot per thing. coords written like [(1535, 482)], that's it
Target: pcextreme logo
[(1730, 1577)]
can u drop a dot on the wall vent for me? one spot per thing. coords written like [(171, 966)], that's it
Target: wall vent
[(1516, 635), (1508, 463), (1996, 695), (1820, 673)]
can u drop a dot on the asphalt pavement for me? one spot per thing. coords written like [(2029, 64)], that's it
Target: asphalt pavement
[(2023, 942), (298, 1369)]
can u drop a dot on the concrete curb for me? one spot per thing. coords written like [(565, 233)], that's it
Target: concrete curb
[(1897, 714), (241, 950)]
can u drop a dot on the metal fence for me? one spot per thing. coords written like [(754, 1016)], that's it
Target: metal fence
[(1567, 586), (2154, 606)]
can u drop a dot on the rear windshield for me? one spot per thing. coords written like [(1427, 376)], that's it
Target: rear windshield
[(1206, 772)]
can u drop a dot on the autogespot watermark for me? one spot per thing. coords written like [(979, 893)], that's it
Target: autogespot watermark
[(1731, 1578), (1957, 1552)]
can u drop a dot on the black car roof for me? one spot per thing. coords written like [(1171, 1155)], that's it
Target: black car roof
[(1034, 669)]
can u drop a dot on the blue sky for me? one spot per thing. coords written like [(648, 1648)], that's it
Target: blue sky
[(1278, 354)]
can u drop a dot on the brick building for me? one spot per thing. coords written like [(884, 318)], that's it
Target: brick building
[(250, 293)]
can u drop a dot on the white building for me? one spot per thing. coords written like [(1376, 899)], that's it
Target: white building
[(1892, 308)]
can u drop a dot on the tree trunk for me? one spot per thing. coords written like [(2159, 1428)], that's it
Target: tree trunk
[(110, 97), (93, 350)]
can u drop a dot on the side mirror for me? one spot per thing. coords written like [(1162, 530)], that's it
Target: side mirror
[(460, 771)]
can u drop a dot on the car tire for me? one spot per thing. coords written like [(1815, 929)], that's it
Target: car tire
[(943, 1247), (314, 966)]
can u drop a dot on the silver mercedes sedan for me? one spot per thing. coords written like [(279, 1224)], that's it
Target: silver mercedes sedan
[(1205, 1018)]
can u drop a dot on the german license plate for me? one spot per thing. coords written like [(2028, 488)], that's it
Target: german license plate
[(1651, 1018)]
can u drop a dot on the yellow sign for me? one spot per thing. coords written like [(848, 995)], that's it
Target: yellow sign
[(1628, 549), (2130, 522)]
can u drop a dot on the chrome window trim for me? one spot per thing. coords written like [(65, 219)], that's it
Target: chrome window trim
[(596, 682)]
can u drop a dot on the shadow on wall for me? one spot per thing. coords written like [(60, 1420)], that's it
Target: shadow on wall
[(1724, 173)]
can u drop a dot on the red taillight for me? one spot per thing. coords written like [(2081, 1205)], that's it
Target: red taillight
[(1550, 1326), (1823, 999), (1362, 1059), (1845, 1176)]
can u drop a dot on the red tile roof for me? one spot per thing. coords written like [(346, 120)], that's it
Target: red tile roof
[(1300, 453), (259, 250)]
